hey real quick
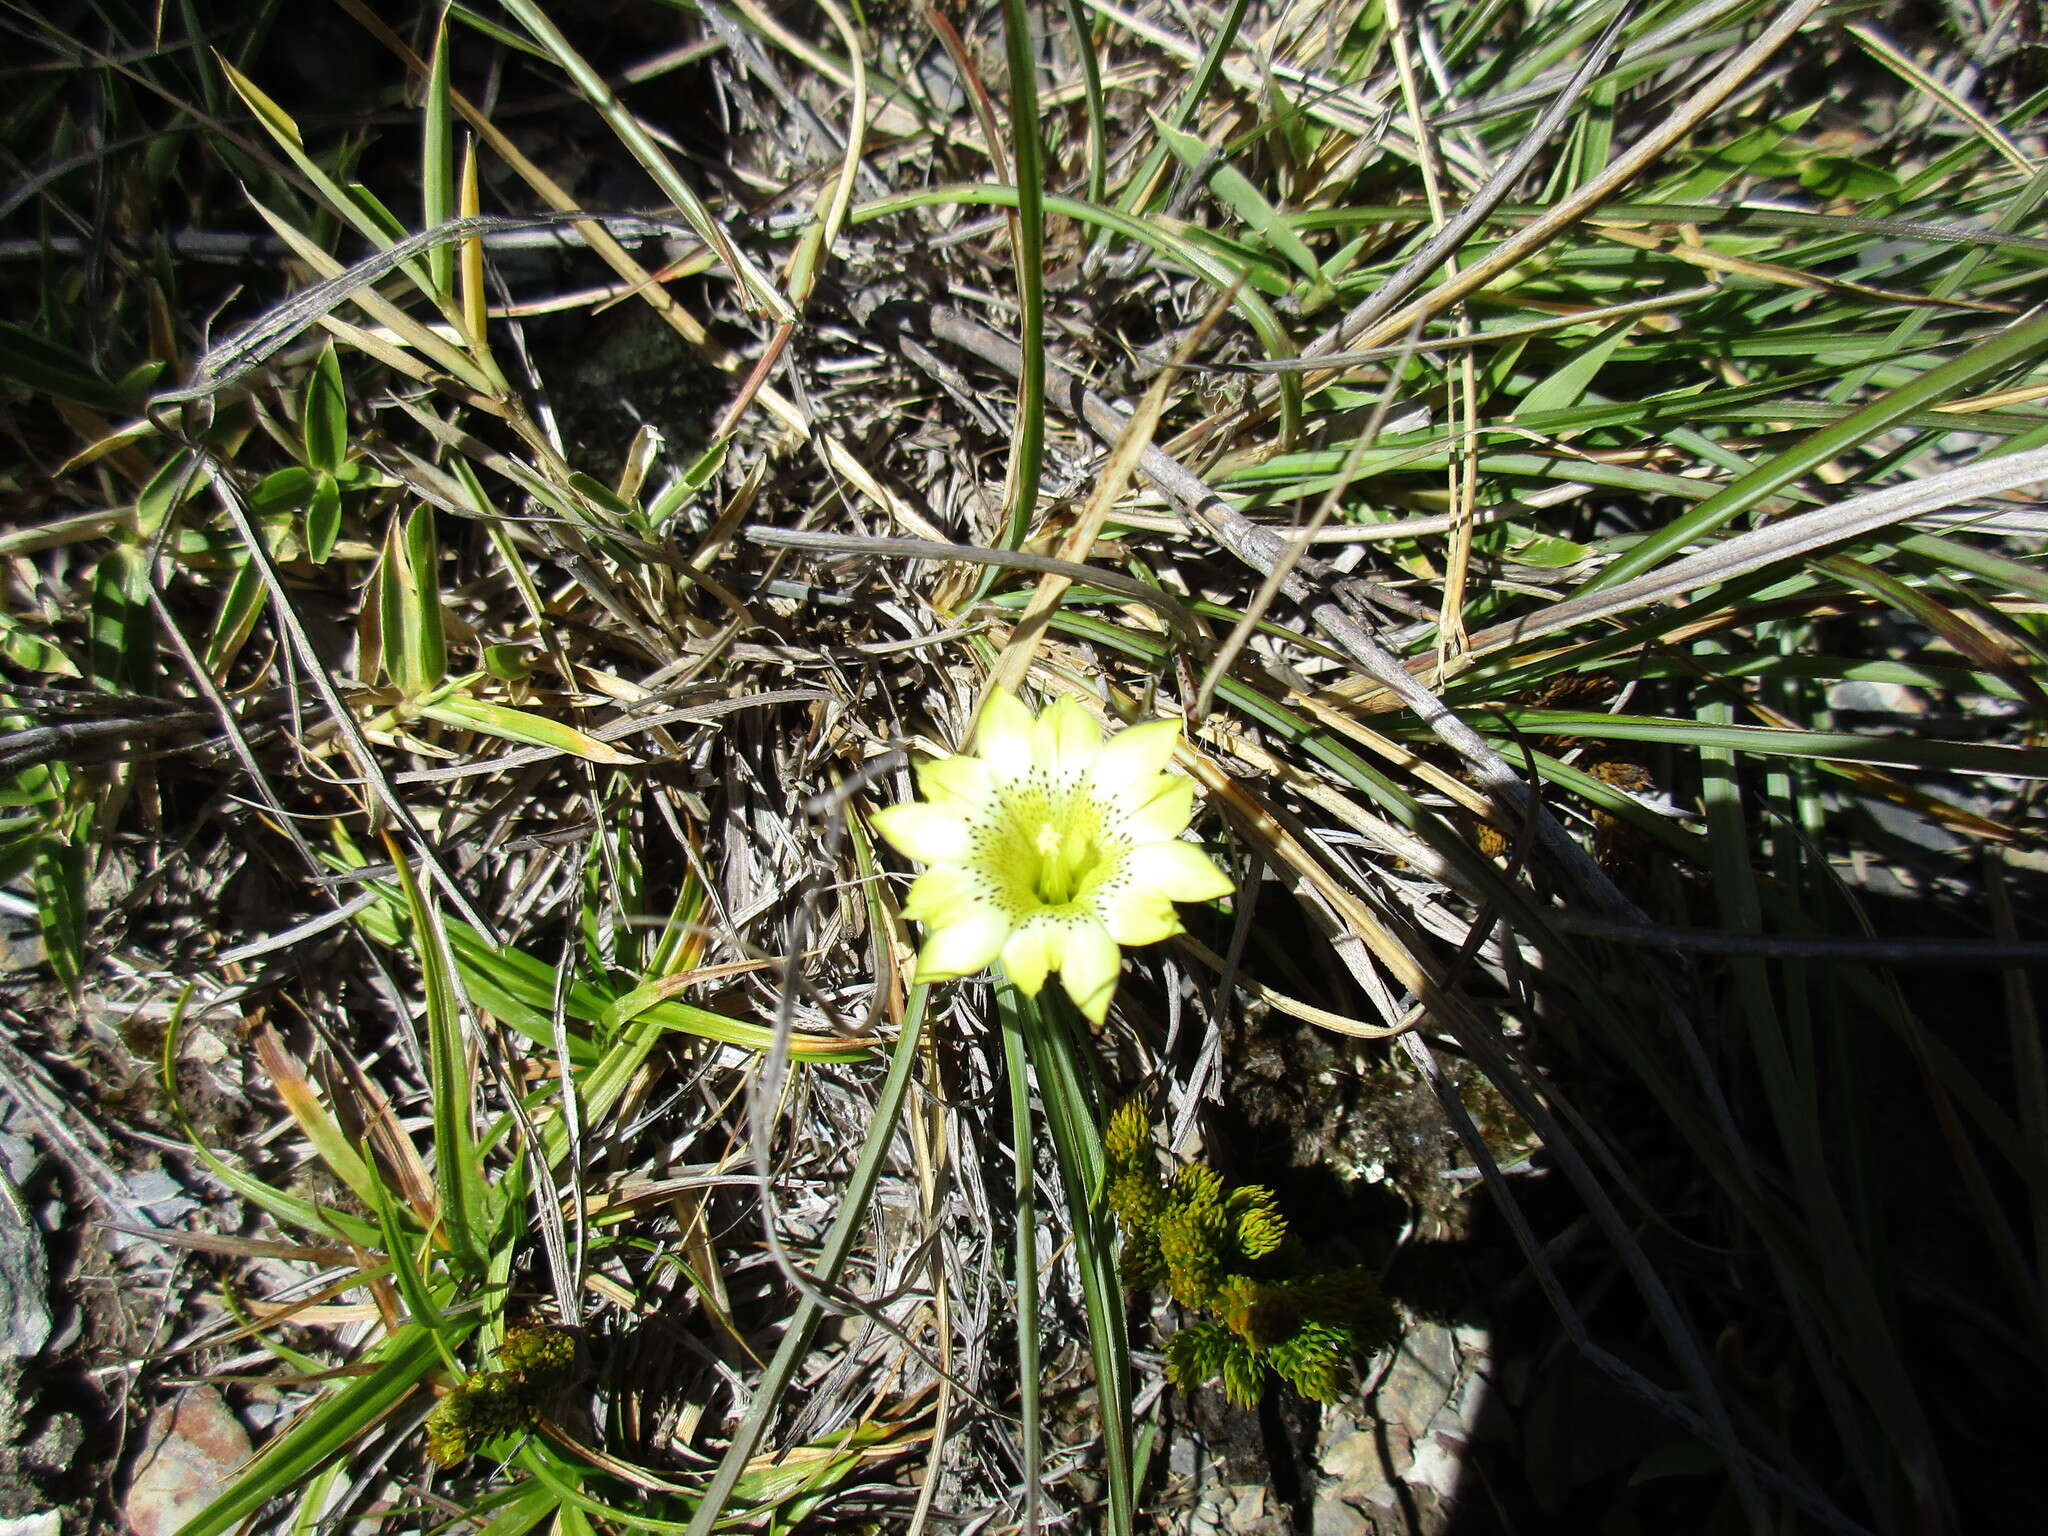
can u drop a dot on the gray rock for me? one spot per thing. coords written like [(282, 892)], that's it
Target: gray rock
[(1248, 1512), (1353, 1458), (1333, 1517), (24, 1276)]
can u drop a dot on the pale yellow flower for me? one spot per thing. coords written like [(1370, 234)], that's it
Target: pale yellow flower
[(1050, 849)]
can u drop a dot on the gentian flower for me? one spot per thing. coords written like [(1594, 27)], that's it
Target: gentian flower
[(1050, 849)]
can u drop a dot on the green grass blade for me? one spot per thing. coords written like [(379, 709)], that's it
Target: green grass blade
[(1983, 361), (456, 1173)]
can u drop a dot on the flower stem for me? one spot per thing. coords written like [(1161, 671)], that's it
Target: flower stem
[(1058, 1050), (1017, 1062)]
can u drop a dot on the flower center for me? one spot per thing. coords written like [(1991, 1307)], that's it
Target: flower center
[(1064, 861), (1047, 846)]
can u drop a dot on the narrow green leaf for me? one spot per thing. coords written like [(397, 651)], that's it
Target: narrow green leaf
[(437, 162), (43, 368), (1985, 360), (401, 1248), (1836, 746), (1245, 200), (520, 725), (451, 1082), (1068, 1094), (57, 881), (323, 518), (306, 1215)]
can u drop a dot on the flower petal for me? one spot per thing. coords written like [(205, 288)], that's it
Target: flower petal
[(1067, 739), (935, 834), (1177, 870), (944, 894), (962, 947), (1138, 914), (1004, 735), (1088, 968), (1128, 763), (1033, 950), (961, 782), (1163, 814)]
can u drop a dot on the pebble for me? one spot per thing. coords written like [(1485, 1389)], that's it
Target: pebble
[(195, 1447), (1333, 1517)]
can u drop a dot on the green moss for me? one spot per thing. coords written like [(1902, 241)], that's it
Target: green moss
[(534, 1364), (1213, 1249)]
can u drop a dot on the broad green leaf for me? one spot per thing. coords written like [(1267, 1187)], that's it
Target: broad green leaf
[(324, 413), (602, 496), (426, 646), (33, 652), (282, 490), (408, 606), (1568, 385), (508, 663), (684, 488), (159, 499), (1541, 549), (123, 627)]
